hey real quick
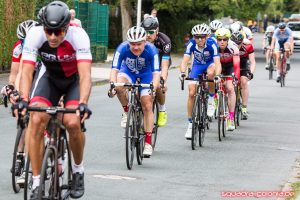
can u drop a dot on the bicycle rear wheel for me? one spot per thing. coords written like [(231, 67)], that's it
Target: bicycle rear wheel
[(17, 164), (49, 188), (130, 140), (155, 127), (220, 115), (195, 123), (140, 142), (28, 179)]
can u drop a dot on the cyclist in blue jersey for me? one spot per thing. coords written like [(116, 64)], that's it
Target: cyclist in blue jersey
[(136, 58), (282, 38), (206, 59), (214, 26)]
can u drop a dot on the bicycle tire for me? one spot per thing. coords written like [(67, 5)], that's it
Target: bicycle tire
[(155, 127), (271, 68), (195, 123), (202, 121), (28, 179), (14, 175), (225, 105), (140, 142), (130, 140), (220, 115), (49, 172)]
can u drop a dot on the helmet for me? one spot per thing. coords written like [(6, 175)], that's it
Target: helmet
[(270, 29), (39, 15), (240, 23), (237, 37), (215, 24), (24, 27), (150, 23), (223, 32), (234, 27), (136, 34), (281, 25), (56, 15), (201, 29)]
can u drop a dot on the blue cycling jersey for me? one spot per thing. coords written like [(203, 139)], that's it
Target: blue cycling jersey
[(147, 62), (213, 37), (282, 36), (202, 56)]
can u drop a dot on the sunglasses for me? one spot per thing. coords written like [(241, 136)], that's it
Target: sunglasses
[(151, 32), (57, 32), (222, 39), (199, 36)]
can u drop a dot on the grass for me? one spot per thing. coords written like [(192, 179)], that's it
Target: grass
[(296, 189)]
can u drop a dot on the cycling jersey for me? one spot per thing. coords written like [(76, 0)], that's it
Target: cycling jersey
[(59, 73), (17, 51), (247, 33), (267, 39), (213, 37), (230, 59), (61, 61), (245, 50), (203, 57), (282, 37), (163, 45)]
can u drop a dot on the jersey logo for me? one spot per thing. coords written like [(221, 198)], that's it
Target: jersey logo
[(53, 58), (167, 48), (133, 66)]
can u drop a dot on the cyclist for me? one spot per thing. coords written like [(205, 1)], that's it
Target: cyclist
[(246, 54), (230, 60), (136, 58), (214, 25), (267, 43), (282, 38), (163, 44), (206, 59), (238, 26), (66, 67)]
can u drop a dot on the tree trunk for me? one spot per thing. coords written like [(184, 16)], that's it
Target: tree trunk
[(126, 19)]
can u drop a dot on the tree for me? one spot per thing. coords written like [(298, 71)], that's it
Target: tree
[(126, 19)]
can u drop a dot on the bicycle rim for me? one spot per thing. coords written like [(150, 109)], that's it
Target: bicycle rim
[(202, 126), (195, 123), (129, 138), (155, 127), (225, 108), (220, 115), (49, 188), (271, 68), (16, 175), (28, 179), (140, 142)]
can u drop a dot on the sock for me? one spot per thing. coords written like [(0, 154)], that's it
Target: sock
[(148, 137), (78, 168), (35, 181), (231, 115), (288, 61), (162, 108), (190, 120), (125, 108)]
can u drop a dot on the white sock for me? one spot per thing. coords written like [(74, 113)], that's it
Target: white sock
[(288, 61), (35, 181), (162, 108), (78, 168)]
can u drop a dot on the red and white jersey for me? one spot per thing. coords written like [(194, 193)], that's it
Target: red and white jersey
[(230, 57), (61, 61), (17, 51), (246, 48)]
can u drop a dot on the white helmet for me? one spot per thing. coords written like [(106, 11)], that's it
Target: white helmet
[(215, 24), (136, 34), (270, 29), (201, 29), (234, 27), (24, 27)]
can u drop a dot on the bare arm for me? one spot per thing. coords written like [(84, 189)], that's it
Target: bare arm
[(156, 79), (113, 75), (165, 68), (184, 63), (85, 81), (218, 66), (13, 73), (252, 62), (26, 80)]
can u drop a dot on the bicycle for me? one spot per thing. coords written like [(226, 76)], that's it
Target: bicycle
[(134, 131), (200, 120), (271, 63), (283, 70), (238, 105), (222, 111), (51, 187)]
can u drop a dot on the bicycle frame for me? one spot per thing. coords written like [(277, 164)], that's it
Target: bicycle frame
[(282, 67)]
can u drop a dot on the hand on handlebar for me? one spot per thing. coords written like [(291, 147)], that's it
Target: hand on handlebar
[(182, 76), (112, 91)]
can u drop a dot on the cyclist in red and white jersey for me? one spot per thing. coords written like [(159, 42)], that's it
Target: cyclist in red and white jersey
[(66, 70), (230, 60), (246, 54)]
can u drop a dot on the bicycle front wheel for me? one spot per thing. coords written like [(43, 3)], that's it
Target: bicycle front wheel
[(130, 140), (28, 179), (140, 142), (195, 123), (49, 188), (155, 127), (271, 68), (17, 164), (220, 115)]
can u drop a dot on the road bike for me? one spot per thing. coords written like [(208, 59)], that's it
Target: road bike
[(283, 70)]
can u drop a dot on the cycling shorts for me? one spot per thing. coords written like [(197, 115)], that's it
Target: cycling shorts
[(280, 44), (199, 69), (145, 78), (48, 90)]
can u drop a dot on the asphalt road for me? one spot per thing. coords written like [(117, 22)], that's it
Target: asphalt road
[(258, 156)]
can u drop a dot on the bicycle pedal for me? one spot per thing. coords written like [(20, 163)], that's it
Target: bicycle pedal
[(146, 156)]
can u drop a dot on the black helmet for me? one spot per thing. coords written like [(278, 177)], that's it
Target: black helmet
[(56, 15), (150, 23), (281, 25)]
